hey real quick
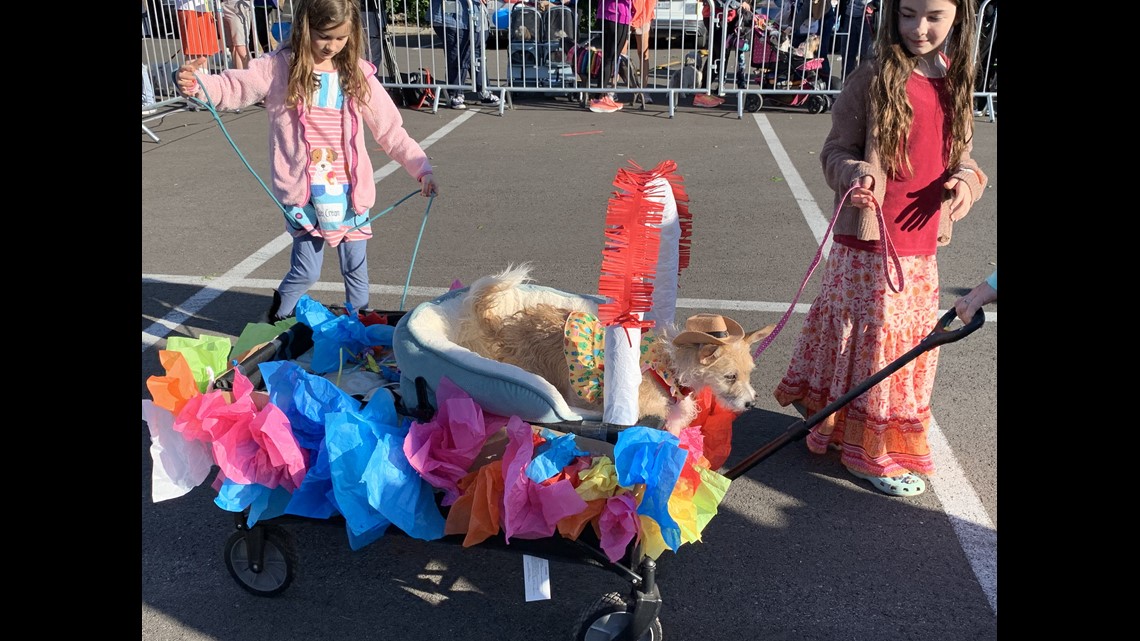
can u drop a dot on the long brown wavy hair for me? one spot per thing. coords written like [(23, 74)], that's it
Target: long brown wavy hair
[(893, 112), (321, 15)]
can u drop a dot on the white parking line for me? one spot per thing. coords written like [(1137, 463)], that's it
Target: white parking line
[(976, 533)]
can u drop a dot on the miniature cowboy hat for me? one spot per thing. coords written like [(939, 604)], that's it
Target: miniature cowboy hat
[(709, 328)]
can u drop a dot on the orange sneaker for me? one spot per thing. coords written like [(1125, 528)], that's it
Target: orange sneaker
[(604, 105), (707, 100)]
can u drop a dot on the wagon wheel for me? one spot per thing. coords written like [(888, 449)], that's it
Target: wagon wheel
[(817, 104), (273, 572), (606, 618), (753, 103)]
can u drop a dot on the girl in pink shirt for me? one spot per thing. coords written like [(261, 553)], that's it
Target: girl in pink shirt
[(900, 140)]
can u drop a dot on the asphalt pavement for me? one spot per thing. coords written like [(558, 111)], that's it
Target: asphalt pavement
[(800, 550)]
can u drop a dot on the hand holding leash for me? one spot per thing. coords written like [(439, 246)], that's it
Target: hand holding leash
[(185, 78), (861, 194)]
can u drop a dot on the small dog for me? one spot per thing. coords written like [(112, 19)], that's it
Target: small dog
[(712, 352)]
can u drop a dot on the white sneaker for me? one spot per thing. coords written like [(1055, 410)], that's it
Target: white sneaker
[(490, 99), (457, 103)]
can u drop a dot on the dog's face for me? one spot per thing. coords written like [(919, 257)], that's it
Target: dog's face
[(322, 159), (725, 369)]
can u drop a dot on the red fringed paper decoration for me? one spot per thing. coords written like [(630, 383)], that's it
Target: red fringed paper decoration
[(683, 217), (629, 258)]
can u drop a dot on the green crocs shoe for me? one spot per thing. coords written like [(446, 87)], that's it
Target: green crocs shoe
[(905, 485)]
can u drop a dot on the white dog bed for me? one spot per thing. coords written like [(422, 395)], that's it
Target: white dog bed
[(422, 343)]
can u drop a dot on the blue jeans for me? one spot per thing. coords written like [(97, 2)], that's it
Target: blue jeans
[(457, 46), (305, 269), (374, 43), (147, 87)]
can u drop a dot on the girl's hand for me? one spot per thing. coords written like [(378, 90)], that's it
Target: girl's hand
[(959, 197), (184, 77), (428, 186), (862, 197)]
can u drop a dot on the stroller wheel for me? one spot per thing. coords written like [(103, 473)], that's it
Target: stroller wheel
[(608, 618), (753, 103), (817, 104), (268, 573)]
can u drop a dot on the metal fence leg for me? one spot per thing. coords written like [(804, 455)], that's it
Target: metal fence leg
[(150, 134)]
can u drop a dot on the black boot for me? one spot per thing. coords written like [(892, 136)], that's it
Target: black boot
[(272, 316)]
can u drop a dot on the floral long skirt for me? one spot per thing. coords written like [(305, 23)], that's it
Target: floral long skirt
[(856, 327)]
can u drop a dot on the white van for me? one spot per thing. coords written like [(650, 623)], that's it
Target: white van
[(683, 18)]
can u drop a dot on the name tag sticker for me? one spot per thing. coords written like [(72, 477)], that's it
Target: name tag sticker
[(536, 576)]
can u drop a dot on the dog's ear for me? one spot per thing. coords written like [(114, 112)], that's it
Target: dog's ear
[(758, 334), (315, 154), (706, 354)]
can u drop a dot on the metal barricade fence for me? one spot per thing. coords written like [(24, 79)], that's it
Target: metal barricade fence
[(793, 53)]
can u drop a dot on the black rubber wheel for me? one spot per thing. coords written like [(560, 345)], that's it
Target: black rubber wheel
[(276, 570), (606, 618), (753, 103), (816, 104)]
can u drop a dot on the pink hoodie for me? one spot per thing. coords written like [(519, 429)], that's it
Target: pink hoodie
[(267, 79)]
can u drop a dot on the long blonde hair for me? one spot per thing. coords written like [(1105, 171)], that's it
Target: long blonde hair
[(325, 14), (892, 111)]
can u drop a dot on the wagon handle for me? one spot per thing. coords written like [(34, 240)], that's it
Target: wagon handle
[(940, 335)]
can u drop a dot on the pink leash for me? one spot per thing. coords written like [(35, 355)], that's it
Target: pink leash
[(889, 253)]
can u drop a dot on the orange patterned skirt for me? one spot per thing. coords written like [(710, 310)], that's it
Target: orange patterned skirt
[(856, 327)]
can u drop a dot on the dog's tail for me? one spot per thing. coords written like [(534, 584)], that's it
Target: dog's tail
[(486, 305)]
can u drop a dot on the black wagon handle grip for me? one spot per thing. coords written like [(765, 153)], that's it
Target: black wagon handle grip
[(942, 333)]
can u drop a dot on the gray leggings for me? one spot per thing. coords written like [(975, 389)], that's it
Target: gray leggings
[(305, 269)]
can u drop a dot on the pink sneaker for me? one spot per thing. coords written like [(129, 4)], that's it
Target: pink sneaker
[(604, 105), (707, 100)]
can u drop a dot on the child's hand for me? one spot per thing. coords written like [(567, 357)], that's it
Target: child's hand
[(184, 77), (428, 186), (959, 196), (862, 196)]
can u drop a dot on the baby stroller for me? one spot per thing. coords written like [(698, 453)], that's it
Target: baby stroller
[(781, 66), (537, 44)]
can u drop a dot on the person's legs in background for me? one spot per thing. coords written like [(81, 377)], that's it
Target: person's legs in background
[(261, 11), (374, 26), (455, 46), (236, 18), (485, 96), (147, 91), (615, 38)]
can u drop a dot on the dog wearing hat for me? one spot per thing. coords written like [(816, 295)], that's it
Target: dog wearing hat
[(502, 323)]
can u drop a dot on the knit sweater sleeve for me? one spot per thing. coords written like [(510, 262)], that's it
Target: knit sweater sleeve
[(848, 154), (844, 150), (969, 172), (387, 126)]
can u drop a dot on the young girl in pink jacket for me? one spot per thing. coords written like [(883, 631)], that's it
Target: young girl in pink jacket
[(318, 91)]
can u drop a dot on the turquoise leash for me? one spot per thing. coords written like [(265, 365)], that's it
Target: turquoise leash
[(208, 104)]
